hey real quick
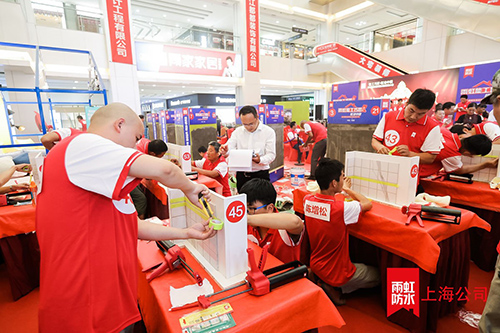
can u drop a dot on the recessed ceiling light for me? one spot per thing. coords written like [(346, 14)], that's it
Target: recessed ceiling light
[(347, 38), (183, 87), (164, 15), (205, 6), (189, 20), (170, 91), (277, 22), (214, 29), (294, 25), (76, 81), (137, 10), (193, 91), (74, 87), (154, 85), (142, 89), (177, 25)]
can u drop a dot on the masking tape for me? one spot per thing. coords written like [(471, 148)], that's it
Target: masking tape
[(374, 181)]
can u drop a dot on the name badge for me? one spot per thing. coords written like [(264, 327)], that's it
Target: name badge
[(317, 210)]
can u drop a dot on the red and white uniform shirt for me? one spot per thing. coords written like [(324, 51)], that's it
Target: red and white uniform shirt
[(87, 231), (281, 245), (290, 136), (488, 128), (318, 130), (449, 158), (459, 113), (221, 167), (326, 220), (422, 136), (142, 145), (64, 133)]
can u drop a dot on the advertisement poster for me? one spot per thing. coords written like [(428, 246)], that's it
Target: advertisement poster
[(260, 112), (475, 81), (443, 83), (357, 112), (345, 91), (273, 113), (170, 115), (202, 116), (153, 57), (155, 118)]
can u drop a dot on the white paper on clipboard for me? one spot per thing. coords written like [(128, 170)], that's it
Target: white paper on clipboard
[(240, 160)]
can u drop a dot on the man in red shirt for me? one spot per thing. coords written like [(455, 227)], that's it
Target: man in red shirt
[(450, 157), (283, 231), (410, 132), (292, 138), (87, 226), (156, 148), (317, 134), (215, 166), (488, 128), (461, 107), (326, 219), (50, 139)]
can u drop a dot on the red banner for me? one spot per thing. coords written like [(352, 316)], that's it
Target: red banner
[(403, 290), (357, 58), (252, 17), (490, 2), (119, 31)]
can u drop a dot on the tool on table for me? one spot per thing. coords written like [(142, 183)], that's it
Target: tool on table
[(193, 175), (213, 222), (259, 282), (464, 178), (437, 214), (174, 258)]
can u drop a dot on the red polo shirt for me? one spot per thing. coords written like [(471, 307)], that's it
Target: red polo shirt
[(318, 130), (488, 128), (422, 136), (449, 158), (221, 167)]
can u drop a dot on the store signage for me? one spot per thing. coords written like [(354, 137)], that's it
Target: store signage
[(178, 102), (267, 113), (152, 57), (146, 107), (119, 31), (357, 112), (159, 105), (357, 58), (252, 19), (345, 91), (300, 30), (163, 124), (224, 100), (291, 39)]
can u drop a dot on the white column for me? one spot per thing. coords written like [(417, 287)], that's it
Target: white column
[(124, 85)]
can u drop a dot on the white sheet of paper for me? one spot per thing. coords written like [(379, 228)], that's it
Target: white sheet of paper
[(240, 160), (189, 293)]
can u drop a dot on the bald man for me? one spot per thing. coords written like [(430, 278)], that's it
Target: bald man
[(87, 226)]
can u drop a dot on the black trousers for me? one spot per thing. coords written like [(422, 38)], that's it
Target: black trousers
[(243, 177), (299, 153), (318, 152)]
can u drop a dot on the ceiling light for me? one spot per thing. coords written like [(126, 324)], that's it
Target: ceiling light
[(164, 15), (352, 9), (177, 25), (137, 10), (360, 23), (154, 85), (274, 5), (205, 6), (76, 81), (183, 87), (294, 25), (347, 38), (170, 91), (142, 89), (277, 22), (189, 20), (74, 87)]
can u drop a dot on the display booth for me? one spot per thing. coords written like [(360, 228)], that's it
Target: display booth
[(195, 127)]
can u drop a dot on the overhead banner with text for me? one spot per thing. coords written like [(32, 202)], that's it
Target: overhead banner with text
[(358, 58), (357, 112), (119, 31), (252, 18), (152, 57)]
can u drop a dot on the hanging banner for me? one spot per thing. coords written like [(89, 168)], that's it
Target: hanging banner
[(252, 18), (345, 91), (163, 125), (475, 81), (357, 58), (119, 31)]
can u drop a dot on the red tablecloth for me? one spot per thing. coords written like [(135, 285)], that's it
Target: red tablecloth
[(384, 226), (295, 307), (160, 193), (477, 194), (15, 220)]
